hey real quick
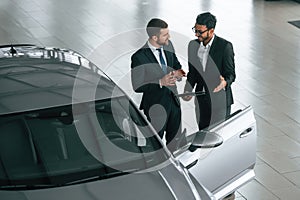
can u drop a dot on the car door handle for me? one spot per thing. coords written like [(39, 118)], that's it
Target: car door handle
[(192, 164), (246, 132)]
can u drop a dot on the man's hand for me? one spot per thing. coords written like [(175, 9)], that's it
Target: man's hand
[(178, 74), (168, 80), (222, 84)]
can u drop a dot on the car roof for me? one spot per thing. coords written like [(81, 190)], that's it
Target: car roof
[(34, 78)]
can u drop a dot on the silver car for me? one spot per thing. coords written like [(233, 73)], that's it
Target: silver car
[(67, 131)]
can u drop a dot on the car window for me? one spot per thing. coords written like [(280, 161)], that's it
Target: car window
[(70, 144)]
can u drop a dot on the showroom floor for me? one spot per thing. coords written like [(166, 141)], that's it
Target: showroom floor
[(267, 54)]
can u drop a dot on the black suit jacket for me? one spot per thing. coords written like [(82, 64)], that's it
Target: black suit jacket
[(145, 75), (219, 62)]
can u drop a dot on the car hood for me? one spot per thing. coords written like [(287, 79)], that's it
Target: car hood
[(165, 184)]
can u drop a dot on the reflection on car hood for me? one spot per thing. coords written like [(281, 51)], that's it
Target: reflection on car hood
[(146, 186), (37, 78)]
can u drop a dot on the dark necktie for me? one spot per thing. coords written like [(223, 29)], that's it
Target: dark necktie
[(162, 61)]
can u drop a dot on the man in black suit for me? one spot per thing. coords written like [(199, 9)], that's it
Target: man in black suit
[(154, 72), (211, 70)]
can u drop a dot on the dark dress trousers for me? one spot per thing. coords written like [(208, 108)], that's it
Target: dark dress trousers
[(211, 107), (159, 104)]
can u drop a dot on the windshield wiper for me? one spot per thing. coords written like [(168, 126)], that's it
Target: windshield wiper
[(26, 187), (84, 180)]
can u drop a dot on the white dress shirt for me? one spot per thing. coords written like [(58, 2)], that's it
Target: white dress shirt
[(156, 53), (203, 52)]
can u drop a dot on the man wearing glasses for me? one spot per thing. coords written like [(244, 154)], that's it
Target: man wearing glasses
[(211, 72)]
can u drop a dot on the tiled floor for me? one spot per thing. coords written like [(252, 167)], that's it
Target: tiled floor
[(267, 51)]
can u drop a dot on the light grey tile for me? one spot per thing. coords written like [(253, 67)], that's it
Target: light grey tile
[(297, 159), (262, 145), (294, 177), (292, 130), (267, 130), (77, 46), (27, 40), (29, 22), (52, 42), (240, 198), (259, 161), (285, 144), (290, 193), (276, 100), (292, 78), (91, 39), (279, 161), (289, 107), (249, 98), (12, 11), (270, 178), (40, 15), (189, 121), (39, 32), (125, 81), (272, 115), (256, 191), (113, 71), (28, 6), (257, 89), (122, 63)]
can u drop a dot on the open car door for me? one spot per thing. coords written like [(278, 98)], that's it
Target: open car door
[(224, 167)]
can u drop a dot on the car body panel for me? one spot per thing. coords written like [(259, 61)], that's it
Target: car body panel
[(136, 186), (219, 167)]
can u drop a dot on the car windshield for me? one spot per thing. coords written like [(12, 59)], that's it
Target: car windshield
[(75, 143)]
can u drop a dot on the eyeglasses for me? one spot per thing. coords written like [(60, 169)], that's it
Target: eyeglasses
[(198, 31)]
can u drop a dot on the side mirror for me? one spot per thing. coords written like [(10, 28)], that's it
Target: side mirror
[(205, 139)]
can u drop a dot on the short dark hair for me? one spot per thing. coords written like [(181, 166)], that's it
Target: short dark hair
[(154, 26), (207, 19)]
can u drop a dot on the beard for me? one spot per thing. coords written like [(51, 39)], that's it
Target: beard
[(202, 39), (205, 39), (166, 42)]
